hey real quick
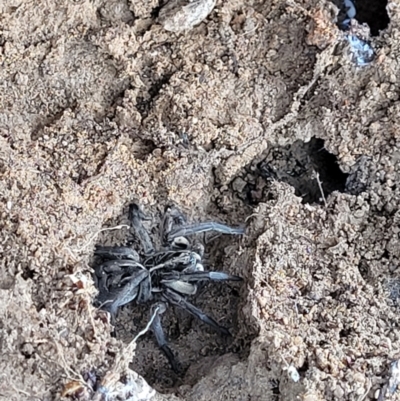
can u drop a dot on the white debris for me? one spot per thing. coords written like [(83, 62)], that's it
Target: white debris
[(183, 15), (293, 373)]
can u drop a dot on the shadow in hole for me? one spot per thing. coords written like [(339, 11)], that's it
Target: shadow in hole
[(371, 12), (307, 166)]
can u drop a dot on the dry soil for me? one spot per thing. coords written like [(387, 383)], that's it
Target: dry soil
[(257, 115)]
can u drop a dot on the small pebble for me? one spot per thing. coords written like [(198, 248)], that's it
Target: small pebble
[(238, 185)]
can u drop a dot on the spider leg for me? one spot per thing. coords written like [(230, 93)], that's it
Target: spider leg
[(194, 277), (172, 218), (116, 252), (144, 291), (112, 298), (176, 299), (112, 271), (136, 216), (116, 265), (160, 336), (190, 229)]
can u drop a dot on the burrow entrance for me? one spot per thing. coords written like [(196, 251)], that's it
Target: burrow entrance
[(307, 166), (371, 12), (195, 345)]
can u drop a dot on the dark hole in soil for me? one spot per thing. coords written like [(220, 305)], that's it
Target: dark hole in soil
[(195, 345), (275, 386), (371, 12), (144, 103), (26, 352), (336, 294), (363, 269), (307, 166), (344, 333), (303, 368), (156, 10), (28, 273)]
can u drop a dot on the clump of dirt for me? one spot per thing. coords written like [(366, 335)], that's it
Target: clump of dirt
[(100, 105)]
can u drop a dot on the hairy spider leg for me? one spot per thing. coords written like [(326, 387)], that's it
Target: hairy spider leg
[(194, 277), (144, 290), (116, 252), (119, 296), (175, 299), (173, 219), (190, 229), (136, 216), (160, 336)]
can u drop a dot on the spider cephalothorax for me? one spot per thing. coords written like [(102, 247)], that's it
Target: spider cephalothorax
[(166, 276)]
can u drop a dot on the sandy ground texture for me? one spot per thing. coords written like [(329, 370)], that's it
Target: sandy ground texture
[(231, 120)]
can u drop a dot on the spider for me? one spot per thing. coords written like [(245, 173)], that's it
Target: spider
[(163, 277)]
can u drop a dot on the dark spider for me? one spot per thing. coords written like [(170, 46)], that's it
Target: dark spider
[(166, 277)]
